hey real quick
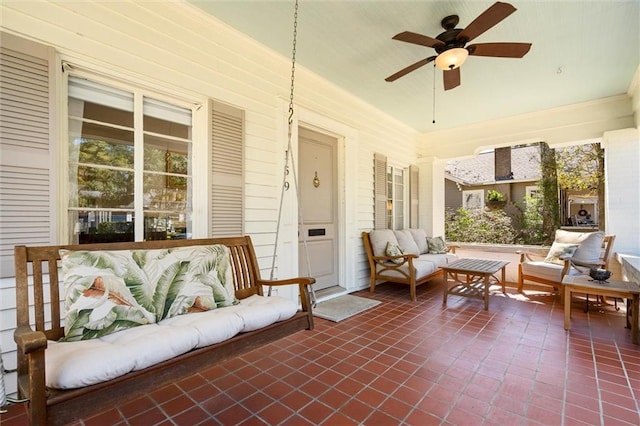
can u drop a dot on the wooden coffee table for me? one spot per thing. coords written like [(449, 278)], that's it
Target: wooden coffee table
[(612, 288), (476, 274)]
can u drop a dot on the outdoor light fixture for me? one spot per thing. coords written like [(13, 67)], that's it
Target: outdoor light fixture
[(452, 58)]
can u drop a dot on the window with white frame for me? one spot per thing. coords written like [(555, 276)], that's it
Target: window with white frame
[(532, 191), (473, 199), (130, 161), (396, 205)]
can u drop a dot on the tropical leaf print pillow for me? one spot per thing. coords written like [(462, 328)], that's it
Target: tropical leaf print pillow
[(208, 281), (108, 291), (104, 293)]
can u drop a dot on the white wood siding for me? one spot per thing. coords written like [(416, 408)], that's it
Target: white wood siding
[(622, 157)]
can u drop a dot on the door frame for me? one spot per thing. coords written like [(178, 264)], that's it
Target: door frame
[(348, 239), (335, 142)]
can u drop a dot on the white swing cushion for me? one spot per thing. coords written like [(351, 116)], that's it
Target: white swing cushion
[(82, 363)]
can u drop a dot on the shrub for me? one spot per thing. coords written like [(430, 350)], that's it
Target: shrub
[(479, 226), (493, 195), (530, 227)]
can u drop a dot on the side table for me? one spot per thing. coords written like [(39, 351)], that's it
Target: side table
[(622, 289)]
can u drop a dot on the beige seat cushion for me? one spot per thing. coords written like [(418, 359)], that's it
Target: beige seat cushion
[(423, 267), (439, 260), (546, 270)]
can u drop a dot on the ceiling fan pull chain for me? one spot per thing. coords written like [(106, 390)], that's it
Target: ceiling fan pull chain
[(433, 111)]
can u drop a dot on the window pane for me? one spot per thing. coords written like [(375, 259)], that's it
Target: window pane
[(165, 155), (398, 198), (99, 102), (167, 170), (100, 226), (100, 187), (108, 151), (162, 226)]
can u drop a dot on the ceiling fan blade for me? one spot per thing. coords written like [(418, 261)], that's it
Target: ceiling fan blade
[(416, 38), (410, 68), (451, 79), (486, 20), (499, 50)]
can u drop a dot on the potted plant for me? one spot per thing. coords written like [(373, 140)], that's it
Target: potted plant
[(495, 199)]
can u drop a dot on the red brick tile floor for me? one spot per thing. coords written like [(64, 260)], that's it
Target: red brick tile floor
[(416, 363)]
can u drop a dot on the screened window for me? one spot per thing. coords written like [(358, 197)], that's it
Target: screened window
[(130, 167)]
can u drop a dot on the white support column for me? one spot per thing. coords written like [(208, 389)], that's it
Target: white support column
[(622, 171), (431, 195)]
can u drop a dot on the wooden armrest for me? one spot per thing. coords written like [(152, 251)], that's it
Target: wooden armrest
[(304, 281), (29, 340), (529, 256), (589, 265), (451, 248), (582, 267), (385, 259)]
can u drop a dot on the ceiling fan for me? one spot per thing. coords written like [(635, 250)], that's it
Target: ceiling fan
[(451, 48)]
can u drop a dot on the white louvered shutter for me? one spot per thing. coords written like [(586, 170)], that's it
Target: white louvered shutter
[(26, 187), (380, 191), (227, 171)]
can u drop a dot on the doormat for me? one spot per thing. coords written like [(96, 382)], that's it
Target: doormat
[(343, 307)]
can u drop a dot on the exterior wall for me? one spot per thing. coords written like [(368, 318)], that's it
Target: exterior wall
[(622, 157), (431, 196), (514, 192), (452, 195), (176, 48)]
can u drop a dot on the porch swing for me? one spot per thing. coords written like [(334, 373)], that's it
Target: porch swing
[(290, 158)]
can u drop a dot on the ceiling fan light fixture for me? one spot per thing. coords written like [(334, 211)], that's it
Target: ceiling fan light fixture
[(452, 58)]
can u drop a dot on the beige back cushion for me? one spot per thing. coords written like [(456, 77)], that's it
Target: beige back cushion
[(406, 242), (420, 237), (379, 239), (589, 244)]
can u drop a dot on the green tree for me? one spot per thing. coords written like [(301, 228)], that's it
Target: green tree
[(530, 228), (581, 168), (548, 185)]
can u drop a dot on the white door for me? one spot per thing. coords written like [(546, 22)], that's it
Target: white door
[(317, 179)]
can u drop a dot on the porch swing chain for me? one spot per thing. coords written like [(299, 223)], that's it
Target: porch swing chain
[(289, 157)]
